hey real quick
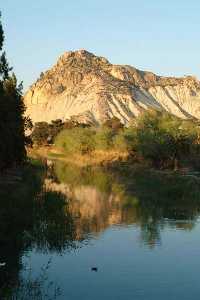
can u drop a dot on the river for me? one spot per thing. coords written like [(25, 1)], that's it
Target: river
[(101, 233)]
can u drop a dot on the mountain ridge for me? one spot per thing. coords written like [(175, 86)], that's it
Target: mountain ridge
[(91, 89)]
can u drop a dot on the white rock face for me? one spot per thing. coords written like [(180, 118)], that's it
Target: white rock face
[(89, 88)]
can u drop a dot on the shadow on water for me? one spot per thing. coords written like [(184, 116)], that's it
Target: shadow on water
[(30, 218), (60, 209)]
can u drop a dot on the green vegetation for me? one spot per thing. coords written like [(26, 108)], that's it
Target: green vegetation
[(12, 122), (165, 140), (162, 140), (76, 140), (45, 133)]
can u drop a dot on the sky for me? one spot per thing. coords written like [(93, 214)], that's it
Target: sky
[(155, 35)]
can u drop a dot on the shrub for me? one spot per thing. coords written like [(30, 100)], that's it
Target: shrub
[(79, 140), (40, 133), (164, 139), (45, 133), (104, 138), (125, 140)]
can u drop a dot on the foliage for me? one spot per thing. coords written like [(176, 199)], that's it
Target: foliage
[(28, 125), (157, 137), (125, 140), (164, 139), (45, 133), (12, 147), (104, 138), (40, 133), (78, 140)]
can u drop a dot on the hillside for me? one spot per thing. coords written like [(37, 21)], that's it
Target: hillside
[(90, 89)]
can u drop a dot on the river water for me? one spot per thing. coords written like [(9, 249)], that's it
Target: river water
[(101, 233)]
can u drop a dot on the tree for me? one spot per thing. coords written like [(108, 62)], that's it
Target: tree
[(45, 133), (40, 133), (165, 139), (12, 146), (77, 140), (114, 124)]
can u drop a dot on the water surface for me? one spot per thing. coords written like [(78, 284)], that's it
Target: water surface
[(139, 229)]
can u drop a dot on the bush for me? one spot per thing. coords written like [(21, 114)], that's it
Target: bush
[(104, 138), (157, 137), (45, 133), (125, 140), (78, 140), (40, 133), (164, 139)]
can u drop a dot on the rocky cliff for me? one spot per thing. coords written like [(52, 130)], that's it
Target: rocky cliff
[(91, 89)]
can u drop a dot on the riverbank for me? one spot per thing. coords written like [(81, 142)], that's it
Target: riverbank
[(94, 159), (113, 159)]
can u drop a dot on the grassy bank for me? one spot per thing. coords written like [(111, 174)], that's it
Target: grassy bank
[(98, 157)]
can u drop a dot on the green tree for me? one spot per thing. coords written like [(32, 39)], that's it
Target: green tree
[(125, 140), (104, 138), (165, 139), (12, 146), (77, 140)]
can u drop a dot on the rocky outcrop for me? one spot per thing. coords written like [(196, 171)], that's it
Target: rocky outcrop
[(89, 88)]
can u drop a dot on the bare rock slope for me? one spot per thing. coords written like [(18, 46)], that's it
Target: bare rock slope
[(90, 89)]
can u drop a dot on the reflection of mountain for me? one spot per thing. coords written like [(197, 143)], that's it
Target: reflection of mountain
[(92, 209), (98, 198)]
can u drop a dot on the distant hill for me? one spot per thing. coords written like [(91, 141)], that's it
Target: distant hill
[(90, 89)]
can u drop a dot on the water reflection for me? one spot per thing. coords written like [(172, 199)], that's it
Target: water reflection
[(64, 207), (30, 218), (100, 197)]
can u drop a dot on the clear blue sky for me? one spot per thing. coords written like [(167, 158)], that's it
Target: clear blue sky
[(157, 35)]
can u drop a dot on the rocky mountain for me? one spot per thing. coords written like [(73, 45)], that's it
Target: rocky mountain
[(91, 89)]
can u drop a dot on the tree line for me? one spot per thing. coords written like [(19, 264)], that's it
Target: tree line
[(155, 137)]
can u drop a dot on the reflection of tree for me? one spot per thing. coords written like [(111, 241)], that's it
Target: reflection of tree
[(150, 233), (53, 228), (163, 200), (35, 288), (101, 197), (29, 218)]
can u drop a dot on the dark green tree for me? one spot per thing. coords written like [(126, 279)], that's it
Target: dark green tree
[(164, 139), (41, 133), (12, 146)]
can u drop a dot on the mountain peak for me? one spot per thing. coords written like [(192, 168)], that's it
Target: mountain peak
[(79, 56)]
